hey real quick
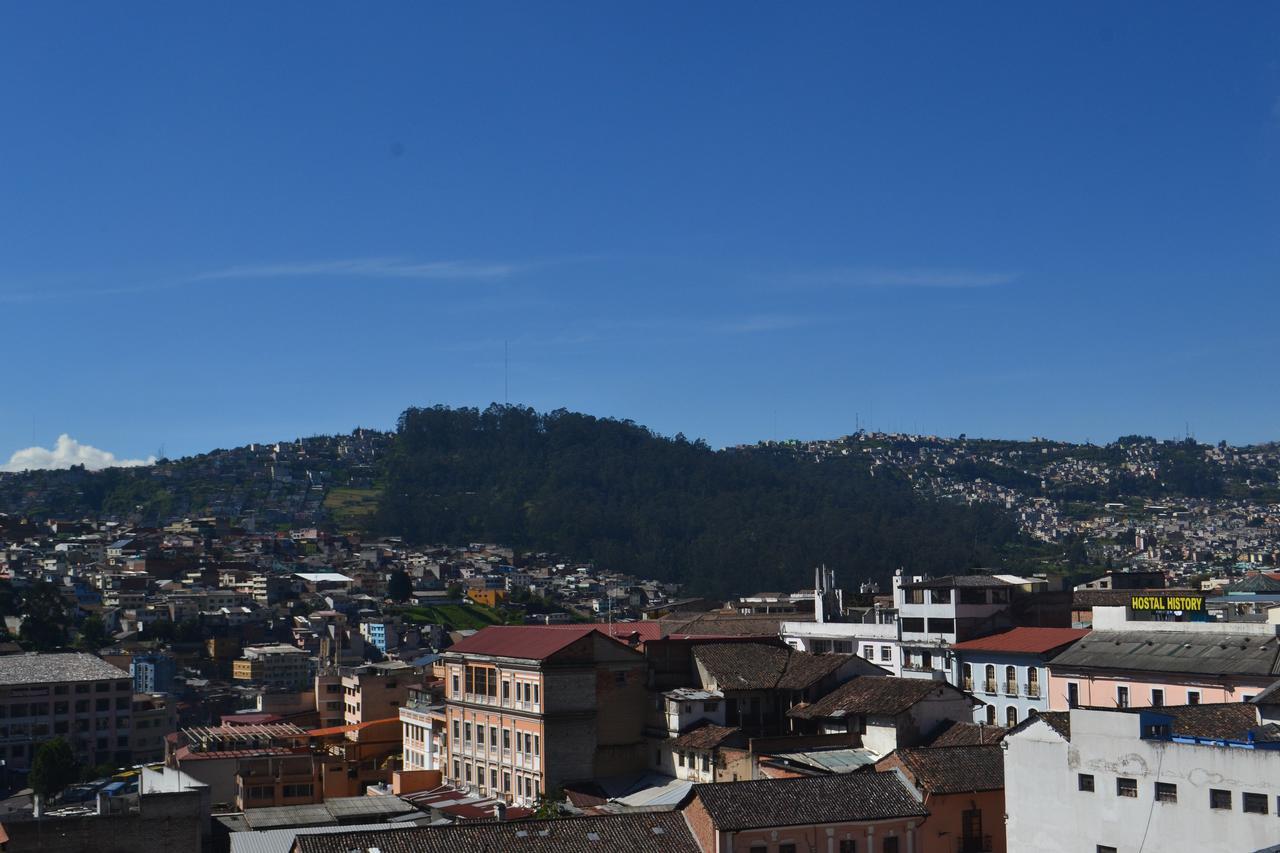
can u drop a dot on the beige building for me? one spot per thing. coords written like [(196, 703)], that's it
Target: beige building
[(276, 665)]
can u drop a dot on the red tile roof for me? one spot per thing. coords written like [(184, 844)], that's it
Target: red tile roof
[(1035, 641), (528, 642)]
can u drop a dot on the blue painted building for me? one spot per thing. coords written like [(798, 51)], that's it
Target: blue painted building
[(153, 673)]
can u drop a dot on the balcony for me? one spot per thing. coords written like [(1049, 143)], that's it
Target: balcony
[(968, 685), (989, 688), (1033, 691), (1011, 688)]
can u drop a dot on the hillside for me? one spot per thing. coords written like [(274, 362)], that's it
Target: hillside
[(668, 508)]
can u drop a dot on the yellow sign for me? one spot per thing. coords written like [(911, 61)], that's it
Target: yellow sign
[(1167, 603)]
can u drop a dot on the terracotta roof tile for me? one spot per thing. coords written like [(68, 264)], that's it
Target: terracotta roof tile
[(526, 642), (735, 806), (955, 769), (871, 694), (654, 832)]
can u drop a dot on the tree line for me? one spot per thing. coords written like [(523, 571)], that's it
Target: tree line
[(616, 493)]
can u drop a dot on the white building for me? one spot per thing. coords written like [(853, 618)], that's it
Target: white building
[(934, 613), (877, 642), (1191, 777)]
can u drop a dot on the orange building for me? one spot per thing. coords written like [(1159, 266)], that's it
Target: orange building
[(487, 597), (528, 709), (963, 789)]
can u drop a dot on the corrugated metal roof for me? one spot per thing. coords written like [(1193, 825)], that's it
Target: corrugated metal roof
[(281, 840), (1190, 652)]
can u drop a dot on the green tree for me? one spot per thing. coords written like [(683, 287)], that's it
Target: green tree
[(399, 586), (45, 618), (93, 634), (53, 769)]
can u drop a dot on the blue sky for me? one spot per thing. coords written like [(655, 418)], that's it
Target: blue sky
[(239, 222)]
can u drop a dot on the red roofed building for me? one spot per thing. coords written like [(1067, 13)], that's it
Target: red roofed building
[(1008, 672), (530, 708)]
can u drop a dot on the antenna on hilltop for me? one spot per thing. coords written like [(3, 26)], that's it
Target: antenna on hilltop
[(506, 374)]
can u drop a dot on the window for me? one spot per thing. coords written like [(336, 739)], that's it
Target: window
[(1102, 848), (1157, 698), (990, 679), (1254, 803), (848, 845), (297, 790), (1011, 680), (466, 732), (536, 745), (968, 677), (991, 715), (706, 762), (1126, 787), (467, 770), (493, 779), (506, 691), (786, 848), (1073, 695), (886, 653), (1193, 697), (506, 781), (680, 758), (942, 626), (455, 684), (915, 596), (506, 738), (890, 844), (869, 652), (493, 736), (1011, 716), (1084, 782), (710, 707), (1033, 682), (913, 625), (1122, 697), (535, 691), (939, 596), (1166, 792)]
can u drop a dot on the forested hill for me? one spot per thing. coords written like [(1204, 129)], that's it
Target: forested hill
[(667, 508)]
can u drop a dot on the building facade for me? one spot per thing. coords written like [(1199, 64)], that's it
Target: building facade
[(1009, 673), (530, 708), (73, 695)]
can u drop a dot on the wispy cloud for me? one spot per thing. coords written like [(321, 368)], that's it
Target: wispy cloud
[(762, 323), (363, 268), (904, 278), (67, 452), (368, 268)]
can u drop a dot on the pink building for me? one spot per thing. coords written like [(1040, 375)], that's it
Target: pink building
[(1163, 663)]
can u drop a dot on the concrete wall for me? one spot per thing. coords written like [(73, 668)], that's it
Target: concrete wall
[(1049, 814)]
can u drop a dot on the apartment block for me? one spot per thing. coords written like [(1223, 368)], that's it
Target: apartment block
[(73, 695), (528, 709), (275, 665)]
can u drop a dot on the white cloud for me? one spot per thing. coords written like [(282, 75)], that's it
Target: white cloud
[(921, 277), (368, 268), (67, 452)]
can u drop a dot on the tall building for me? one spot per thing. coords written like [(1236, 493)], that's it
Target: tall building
[(528, 709), (74, 695), (153, 673), (276, 665)]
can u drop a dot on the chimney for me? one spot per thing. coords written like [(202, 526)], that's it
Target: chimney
[(499, 810)]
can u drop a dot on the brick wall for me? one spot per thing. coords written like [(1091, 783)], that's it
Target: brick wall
[(700, 825)]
